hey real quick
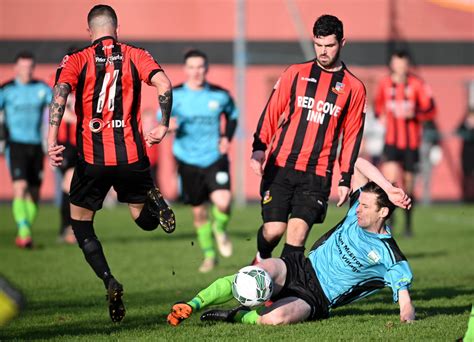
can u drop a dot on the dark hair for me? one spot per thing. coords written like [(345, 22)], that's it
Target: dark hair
[(195, 53), (25, 55), (99, 10), (401, 54), (326, 25), (382, 197)]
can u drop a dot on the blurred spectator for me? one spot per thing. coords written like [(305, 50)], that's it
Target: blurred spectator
[(403, 101), (23, 99), (466, 132)]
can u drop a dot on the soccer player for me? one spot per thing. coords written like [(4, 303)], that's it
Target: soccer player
[(354, 259), (311, 106), (403, 101), (106, 77), (24, 100), (200, 149)]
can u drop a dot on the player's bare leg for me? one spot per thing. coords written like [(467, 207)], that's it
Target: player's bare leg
[(296, 235), (285, 311), (82, 225), (221, 200), (268, 237)]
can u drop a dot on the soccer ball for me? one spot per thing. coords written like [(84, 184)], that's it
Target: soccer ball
[(252, 286)]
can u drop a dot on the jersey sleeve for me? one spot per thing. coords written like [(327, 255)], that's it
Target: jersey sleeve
[(1, 98), (68, 71), (230, 110), (398, 277), (146, 65), (268, 122), (352, 137)]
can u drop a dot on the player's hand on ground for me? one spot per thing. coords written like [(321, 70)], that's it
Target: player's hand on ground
[(343, 192), (398, 197), (156, 135), (256, 162), (224, 145), (55, 153)]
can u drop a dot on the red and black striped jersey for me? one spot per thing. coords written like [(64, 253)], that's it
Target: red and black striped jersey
[(405, 106), (106, 77), (308, 110)]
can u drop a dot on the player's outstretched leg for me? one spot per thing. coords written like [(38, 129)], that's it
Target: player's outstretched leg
[(160, 209), (114, 297), (179, 312), (220, 291)]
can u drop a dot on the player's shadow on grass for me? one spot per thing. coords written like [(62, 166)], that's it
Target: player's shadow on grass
[(422, 311), (158, 236), (423, 255), (422, 294)]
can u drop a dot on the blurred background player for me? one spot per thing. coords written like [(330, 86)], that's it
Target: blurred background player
[(466, 132), (311, 106), (67, 138), (23, 101), (403, 101), (11, 301), (106, 77), (200, 148)]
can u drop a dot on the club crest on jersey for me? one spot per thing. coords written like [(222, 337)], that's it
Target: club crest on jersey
[(267, 198), (373, 257), (213, 104), (338, 88)]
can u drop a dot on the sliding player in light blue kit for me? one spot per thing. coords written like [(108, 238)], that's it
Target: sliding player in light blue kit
[(356, 258)]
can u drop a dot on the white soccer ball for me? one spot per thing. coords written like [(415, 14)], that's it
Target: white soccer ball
[(252, 286)]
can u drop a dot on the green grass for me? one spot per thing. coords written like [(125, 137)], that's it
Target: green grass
[(67, 301)]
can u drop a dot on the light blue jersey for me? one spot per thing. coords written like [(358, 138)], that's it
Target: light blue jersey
[(198, 114), (24, 105), (351, 263)]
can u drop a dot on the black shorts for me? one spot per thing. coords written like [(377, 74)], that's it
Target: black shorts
[(70, 158), (90, 183), (406, 157), (26, 163), (302, 282), (286, 191), (197, 183)]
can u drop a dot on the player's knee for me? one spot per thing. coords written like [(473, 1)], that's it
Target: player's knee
[(147, 221)]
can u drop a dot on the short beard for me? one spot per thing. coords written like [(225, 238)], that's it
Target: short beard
[(330, 64)]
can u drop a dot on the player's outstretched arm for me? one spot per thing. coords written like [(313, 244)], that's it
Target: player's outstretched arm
[(56, 111), (407, 310), (364, 170)]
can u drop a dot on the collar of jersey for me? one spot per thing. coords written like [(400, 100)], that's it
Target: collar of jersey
[(206, 87), (380, 236), (331, 72), (97, 41)]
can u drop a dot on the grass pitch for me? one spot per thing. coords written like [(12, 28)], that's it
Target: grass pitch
[(67, 301)]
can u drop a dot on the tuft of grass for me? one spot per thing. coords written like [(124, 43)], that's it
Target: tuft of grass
[(67, 302)]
